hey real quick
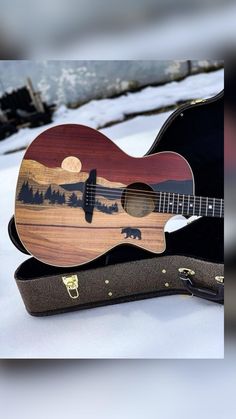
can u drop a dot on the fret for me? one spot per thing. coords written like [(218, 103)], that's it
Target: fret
[(164, 201), (221, 202), (173, 202), (191, 205), (160, 203), (223, 207), (168, 207), (187, 202), (177, 209), (220, 208), (182, 204), (203, 206), (210, 207), (174, 209)]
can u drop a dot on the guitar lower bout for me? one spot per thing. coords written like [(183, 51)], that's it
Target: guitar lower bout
[(82, 244)]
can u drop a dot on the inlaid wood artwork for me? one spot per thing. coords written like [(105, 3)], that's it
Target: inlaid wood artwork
[(78, 195)]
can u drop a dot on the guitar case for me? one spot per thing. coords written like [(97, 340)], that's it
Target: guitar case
[(193, 261)]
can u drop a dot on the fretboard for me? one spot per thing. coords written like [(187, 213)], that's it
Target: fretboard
[(164, 202), (173, 203)]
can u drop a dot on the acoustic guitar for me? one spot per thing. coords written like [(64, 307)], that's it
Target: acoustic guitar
[(78, 195)]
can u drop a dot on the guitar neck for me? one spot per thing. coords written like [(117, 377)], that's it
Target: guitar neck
[(173, 203), (162, 202)]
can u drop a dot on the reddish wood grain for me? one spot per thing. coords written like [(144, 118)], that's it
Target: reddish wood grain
[(97, 151)]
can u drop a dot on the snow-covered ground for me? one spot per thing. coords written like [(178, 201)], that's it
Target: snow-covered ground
[(168, 327), (98, 113)]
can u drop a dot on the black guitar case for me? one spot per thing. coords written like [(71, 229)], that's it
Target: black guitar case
[(193, 260)]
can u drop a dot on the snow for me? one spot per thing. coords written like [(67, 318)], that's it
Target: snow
[(167, 327), (98, 113)]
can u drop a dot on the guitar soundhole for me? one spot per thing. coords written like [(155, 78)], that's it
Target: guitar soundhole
[(136, 200)]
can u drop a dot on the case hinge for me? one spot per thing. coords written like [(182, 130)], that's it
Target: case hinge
[(195, 101)]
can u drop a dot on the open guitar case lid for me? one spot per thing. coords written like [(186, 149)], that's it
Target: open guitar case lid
[(193, 260)]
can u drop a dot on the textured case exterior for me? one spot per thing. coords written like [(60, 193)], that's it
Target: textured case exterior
[(51, 294)]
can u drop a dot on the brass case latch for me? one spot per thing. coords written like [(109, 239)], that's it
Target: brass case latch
[(72, 284), (220, 279)]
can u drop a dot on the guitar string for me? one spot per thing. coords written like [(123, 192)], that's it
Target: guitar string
[(176, 208), (168, 212), (144, 193), (177, 211), (172, 210), (167, 207), (138, 202), (123, 189), (139, 198), (106, 193)]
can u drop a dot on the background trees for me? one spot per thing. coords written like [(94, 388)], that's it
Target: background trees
[(27, 196), (55, 197)]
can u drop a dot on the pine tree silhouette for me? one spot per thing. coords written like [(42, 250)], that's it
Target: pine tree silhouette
[(30, 198), (53, 198), (108, 209), (62, 199), (79, 202), (23, 191), (41, 199), (115, 207), (36, 198), (73, 201), (48, 193), (57, 197), (26, 193)]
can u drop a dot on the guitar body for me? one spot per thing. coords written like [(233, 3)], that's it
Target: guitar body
[(51, 214)]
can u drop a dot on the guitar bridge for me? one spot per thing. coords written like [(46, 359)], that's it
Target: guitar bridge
[(89, 195)]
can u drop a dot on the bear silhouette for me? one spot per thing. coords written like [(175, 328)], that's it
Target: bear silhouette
[(133, 233)]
